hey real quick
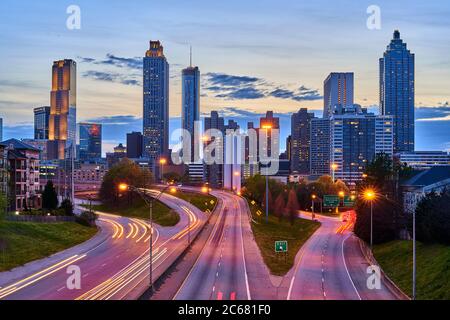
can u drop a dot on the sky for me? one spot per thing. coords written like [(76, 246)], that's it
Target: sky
[(253, 55)]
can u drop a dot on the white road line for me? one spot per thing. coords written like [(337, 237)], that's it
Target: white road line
[(243, 255), (346, 269)]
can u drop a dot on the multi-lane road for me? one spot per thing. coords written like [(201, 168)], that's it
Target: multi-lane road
[(115, 267), (331, 266), (220, 271)]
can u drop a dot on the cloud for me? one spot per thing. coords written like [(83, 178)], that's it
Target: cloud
[(227, 80), (439, 113), (244, 87), (111, 77), (113, 60)]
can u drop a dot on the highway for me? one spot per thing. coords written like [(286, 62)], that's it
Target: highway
[(118, 267), (220, 270), (331, 266)]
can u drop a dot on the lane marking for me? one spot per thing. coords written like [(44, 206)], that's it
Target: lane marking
[(346, 269)]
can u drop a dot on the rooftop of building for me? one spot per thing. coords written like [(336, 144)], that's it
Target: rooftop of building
[(429, 177), (19, 145)]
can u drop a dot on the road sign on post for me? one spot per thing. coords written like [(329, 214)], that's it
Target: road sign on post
[(332, 201), (281, 246), (349, 201)]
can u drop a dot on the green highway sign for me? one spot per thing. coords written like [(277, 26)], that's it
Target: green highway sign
[(349, 201), (281, 246), (331, 201)]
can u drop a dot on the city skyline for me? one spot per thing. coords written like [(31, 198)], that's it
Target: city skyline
[(234, 87)]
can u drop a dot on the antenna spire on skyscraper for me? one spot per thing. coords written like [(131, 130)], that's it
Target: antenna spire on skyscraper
[(190, 56)]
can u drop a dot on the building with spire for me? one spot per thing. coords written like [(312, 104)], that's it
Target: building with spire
[(397, 92)]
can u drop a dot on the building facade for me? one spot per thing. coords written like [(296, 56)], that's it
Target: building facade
[(23, 175), (320, 163), (135, 143), (300, 141), (90, 145), (120, 152), (63, 102), (214, 172), (156, 103), (422, 160), (338, 90), (397, 92), (356, 137), (41, 122)]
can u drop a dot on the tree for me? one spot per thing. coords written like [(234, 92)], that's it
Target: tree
[(49, 197), (67, 206), (280, 206), (433, 218), (126, 171), (3, 205), (292, 206)]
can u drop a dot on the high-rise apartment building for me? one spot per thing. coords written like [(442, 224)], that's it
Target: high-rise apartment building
[(214, 172), (397, 92), (300, 141), (63, 102), (319, 155)]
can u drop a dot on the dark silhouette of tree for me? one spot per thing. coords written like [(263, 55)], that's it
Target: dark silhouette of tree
[(279, 207), (292, 206), (49, 197), (67, 206), (126, 171), (433, 218)]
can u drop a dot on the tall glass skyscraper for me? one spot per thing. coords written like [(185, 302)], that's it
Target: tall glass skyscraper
[(90, 141), (191, 104), (156, 103), (300, 141), (41, 122), (397, 91), (63, 103)]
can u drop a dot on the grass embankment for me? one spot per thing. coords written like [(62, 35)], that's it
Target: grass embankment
[(433, 268), (267, 233), (22, 242), (202, 201), (162, 214)]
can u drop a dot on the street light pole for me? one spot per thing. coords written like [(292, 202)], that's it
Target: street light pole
[(267, 198), (371, 224), (414, 257)]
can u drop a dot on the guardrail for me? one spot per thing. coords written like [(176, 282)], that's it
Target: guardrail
[(388, 282), (40, 219)]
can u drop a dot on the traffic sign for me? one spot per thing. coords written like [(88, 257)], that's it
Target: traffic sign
[(281, 246), (331, 201), (349, 201)]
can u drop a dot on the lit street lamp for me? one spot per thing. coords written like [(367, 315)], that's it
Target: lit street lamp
[(370, 196), (125, 187), (162, 162), (313, 214), (267, 127), (334, 167)]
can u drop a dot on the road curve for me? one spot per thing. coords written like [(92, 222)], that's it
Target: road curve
[(118, 267), (331, 267)]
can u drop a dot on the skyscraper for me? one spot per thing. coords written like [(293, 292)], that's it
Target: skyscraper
[(191, 104), (338, 90), (63, 102), (397, 91), (41, 122), (156, 103), (300, 141), (214, 171), (90, 141), (356, 137), (320, 146), (135, 143)]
